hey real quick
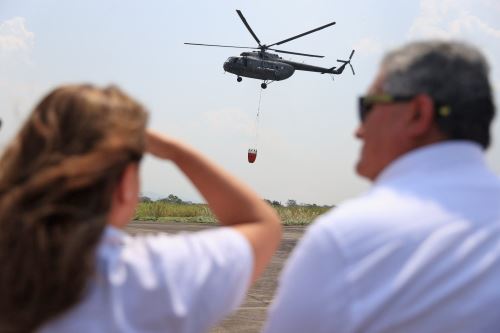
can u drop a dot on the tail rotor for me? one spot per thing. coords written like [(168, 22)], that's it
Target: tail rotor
[(348, 62)]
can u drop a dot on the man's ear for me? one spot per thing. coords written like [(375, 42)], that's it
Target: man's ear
[(422, 121)]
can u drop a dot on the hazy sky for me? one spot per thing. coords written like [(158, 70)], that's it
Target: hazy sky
[(306, 147)]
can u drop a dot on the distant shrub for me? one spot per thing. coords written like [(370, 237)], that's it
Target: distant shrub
[(172, 199), (145, 199)]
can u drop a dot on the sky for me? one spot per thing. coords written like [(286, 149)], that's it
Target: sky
[(305, 142)]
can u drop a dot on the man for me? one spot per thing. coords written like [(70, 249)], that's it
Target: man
[(420, 251)]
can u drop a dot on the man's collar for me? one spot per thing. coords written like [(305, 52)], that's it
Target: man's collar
[(433, 157)]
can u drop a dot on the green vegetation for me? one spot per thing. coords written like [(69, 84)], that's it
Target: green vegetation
[(168, 211), (173, 208), (300, 214)]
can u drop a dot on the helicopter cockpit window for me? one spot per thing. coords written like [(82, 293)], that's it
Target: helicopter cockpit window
[(232, 60)]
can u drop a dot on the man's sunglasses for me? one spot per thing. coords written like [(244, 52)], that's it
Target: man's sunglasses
[(366, 104)]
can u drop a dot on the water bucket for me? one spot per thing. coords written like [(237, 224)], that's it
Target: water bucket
[(252, 155)]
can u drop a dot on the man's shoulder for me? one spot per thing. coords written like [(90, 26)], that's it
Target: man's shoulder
[(373, 219), (379, 204)]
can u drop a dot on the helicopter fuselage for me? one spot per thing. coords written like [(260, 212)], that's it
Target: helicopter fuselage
[(267, 66), (255, 66)]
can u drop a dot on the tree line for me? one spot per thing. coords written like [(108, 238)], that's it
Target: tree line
[(173, 199)]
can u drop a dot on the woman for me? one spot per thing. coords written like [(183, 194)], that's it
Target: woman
[(69, 182)]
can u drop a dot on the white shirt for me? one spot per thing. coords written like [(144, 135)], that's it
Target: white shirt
[(163, 283), (420, 252)]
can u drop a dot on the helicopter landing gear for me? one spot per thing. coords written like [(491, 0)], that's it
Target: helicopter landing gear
[(265, 83), (239, 79)]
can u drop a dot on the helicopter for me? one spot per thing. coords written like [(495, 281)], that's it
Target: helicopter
[(270, 67)]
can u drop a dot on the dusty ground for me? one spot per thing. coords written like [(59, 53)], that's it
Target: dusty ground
[(250, 316)]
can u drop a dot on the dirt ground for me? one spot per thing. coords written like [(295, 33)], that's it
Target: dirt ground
[(251, 315)]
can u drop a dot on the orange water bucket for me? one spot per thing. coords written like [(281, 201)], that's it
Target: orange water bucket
[(252, 155)]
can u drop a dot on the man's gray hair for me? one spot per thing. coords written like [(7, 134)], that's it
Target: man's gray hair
[(453, 74)]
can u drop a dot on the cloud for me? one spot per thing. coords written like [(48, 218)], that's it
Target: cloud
[(452, 19), (368, 46), (17, 89), (469, 23), (492, 5), (431, 21), (16, 41)]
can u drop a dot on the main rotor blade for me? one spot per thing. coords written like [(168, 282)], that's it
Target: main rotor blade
[(248, 26), (303, 34), (297, 53), (232, 46)]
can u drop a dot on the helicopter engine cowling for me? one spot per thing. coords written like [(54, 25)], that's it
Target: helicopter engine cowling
[(257, 68)]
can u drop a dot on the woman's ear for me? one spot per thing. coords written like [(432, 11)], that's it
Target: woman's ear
[(125, 196), (130, 183)]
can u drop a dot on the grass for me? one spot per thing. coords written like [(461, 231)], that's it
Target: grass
[(200, 213), (165, 211), (299, 215)]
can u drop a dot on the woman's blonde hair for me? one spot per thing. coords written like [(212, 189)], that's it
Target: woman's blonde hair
[(56, 182)]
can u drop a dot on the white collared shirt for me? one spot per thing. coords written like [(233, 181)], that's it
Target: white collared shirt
[(419, 252), (163, 283)]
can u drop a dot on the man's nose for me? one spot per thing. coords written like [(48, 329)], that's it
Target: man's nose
[(359, 132)]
